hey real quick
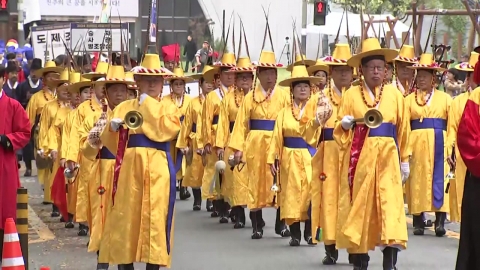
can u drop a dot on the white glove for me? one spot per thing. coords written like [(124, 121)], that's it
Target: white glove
[(405, 170), (115, 123), (142, 98), (347, 122)]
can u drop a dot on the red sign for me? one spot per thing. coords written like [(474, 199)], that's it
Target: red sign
[(3, 4)]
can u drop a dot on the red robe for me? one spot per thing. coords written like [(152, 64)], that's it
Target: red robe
[(468, 134), (15, 125)]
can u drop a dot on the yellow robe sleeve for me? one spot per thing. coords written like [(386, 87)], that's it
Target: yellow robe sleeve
[(276, 143), (242, 125), (66, 129), (223, 127), (341, 136), (452, 127), (45, 123), (161, 122), (88, 151), (207, 118), (184, 136), (74, 143), (32, 109), (308, 125), (403, 127), (54, 135), (198, 137)]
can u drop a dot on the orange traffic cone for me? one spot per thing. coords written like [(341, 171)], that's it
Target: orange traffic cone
[(12, 253)]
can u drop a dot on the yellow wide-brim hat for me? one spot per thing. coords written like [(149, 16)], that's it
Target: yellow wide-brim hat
[(178, 74), (406, 54), (267, 60), (129, 77), (63, 78), (319, 66), (115, 74), (427, 62), (208, 74), (151, 66), (371, 47), (299, 73), (228, 61), (75, 87), (49, 66), (100, 71), (340, 55), (301, 60), (244, 65), (470, 65)]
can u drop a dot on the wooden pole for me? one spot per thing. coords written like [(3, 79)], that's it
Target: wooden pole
[(405, 36), (472, 16), (458, 12), (388, 36), (460, 45)]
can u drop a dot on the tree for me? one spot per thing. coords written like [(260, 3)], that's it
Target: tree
[(455, 24)]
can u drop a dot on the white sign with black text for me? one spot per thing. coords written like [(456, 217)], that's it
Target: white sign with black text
[(97, 36), (87, 8), (49, 41)]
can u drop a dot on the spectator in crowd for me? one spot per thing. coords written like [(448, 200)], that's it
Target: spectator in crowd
[(462, 74), (202, 56), (453, 86), (11, 84), (189, 50)]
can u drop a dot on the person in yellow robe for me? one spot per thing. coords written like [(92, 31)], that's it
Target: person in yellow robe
[(235, 185), (427, 109), (294, 155), (47, 120), (79, 90), (322, 74), (210, 111), (404, 75), (35, 106), (100, 185), (188, 138), (178, 97), (326, 188), (55, 138), (73, 156), (139, 226), (375, 161), (251, 135), (456, 184)]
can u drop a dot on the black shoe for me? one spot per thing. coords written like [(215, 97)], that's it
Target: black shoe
[(209, 206), (183, 192), (390, 258), (257, 232), (55, 212), (419, 225), (126, 267), (215, 209), (69, 225), (239, 213), (152, 267), (280, 227), (307, 233), (82, 230), (440, 223), (223, 211), (360, 261), (331, 255), (28, 173), (197, 199), (296, 234), (102, 266)]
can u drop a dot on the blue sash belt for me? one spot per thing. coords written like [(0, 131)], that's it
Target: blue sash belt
[(262, 124), (215, 120), (438, 125), (105, 154), (194, 128), (298, 143), (327, 135), (232, 123), (140, 140), (385, 130)]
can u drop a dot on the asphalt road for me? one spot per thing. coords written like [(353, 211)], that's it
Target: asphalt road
[(202, 243)]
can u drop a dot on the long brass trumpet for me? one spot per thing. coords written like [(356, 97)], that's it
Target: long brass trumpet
[(133, 120), (373, 118)]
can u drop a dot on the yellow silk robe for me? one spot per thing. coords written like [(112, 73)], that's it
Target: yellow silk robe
[(210, 111), (295, 173), (137, 226), (74, 154), (421, 146), (47, 119), (253, 142), (375, 215), (236, 182), (183, 108), (72, 187), (456, 185), (34, 109), (103, 163), (188, 138), (327, 160)]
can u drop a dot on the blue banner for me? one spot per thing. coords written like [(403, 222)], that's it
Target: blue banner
[(153, 22)]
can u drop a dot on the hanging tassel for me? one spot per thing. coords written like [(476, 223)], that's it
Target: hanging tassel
[(476, 72), (319, 235)]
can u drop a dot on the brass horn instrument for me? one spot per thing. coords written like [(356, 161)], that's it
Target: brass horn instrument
[(71, 174), (373, 118), (133, 120)]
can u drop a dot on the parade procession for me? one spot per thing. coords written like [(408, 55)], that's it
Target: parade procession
[(353, 160)]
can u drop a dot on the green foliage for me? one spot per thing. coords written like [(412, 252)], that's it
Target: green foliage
[(455, 24)]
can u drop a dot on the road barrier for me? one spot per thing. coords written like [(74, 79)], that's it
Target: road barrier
[(22, 222)]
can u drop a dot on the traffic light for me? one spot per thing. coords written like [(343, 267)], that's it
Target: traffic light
[(320, 12), (3, 4)]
